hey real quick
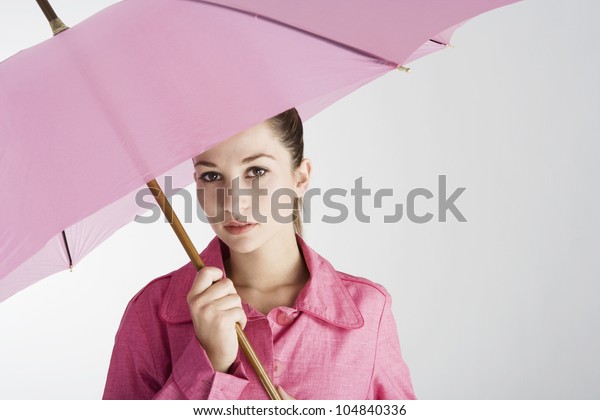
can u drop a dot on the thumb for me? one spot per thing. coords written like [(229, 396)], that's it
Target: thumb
[(284, 394)]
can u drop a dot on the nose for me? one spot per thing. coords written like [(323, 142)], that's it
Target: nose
[(237, 200)]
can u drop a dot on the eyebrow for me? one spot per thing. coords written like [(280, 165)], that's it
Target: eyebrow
[(245, 160)]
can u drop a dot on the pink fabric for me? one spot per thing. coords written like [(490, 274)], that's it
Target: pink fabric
[(115, 93), (339, 341), (111, 103), (369, 26)]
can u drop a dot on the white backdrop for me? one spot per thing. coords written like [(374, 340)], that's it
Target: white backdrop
[(502, 306)]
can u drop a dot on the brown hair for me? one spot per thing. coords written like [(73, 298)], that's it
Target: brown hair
[(288, 126)]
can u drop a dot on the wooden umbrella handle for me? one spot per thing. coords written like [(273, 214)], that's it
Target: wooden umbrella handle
[(166, 208)]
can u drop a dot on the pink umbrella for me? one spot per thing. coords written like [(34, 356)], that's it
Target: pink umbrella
[(136, 90)]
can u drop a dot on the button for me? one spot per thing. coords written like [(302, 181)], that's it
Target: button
[(284, 319), (278, 368)]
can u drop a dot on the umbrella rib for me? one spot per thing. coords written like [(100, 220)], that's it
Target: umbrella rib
[(438, 42), (304, 31), (67, 247)]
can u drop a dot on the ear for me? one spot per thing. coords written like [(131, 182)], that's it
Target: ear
[(303, 177)]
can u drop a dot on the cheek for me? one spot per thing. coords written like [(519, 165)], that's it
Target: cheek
[(208, 197), (278, 203), (201, 196)]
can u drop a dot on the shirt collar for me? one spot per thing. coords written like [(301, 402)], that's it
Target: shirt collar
[(323, 296)]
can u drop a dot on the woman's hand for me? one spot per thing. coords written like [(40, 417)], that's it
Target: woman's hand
[(284, 395), (215, 307)]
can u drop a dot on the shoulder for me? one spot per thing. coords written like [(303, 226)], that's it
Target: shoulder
[(364, 292), (353, 297), (355, 284), (149, 302), (363, 284)]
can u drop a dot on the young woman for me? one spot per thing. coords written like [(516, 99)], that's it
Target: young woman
[(320, 333)]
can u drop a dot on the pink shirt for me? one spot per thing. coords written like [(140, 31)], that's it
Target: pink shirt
[(338, 342)]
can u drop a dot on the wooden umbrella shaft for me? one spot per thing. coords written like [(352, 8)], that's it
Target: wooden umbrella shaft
[(47, 9), (166, 208)]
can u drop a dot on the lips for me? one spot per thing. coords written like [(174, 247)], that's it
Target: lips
[(236, 223), (236, 228)]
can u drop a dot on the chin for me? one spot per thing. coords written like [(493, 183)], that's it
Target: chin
[(243, 243)]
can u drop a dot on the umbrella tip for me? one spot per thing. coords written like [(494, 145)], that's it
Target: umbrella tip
[(404, 69), (71, 268), (57, 26)]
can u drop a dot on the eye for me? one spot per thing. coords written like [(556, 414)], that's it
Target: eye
[(209, 177), (257, 171)]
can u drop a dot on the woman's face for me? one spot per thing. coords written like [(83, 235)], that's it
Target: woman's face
[(249, 178)]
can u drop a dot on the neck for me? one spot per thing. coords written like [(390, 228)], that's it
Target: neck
[(277, 263)]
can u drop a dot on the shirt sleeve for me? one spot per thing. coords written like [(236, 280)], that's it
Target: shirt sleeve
[(137, 373), (391, 376)]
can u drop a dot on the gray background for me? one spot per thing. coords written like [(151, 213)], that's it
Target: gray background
[(503, 306)]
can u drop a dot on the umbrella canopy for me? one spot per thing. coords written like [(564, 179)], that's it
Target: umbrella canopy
[(136, 90)]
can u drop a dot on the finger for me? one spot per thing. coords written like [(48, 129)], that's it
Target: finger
[(284, 394), (217, 290), (236, 315), (225, 303), (204, 278)]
